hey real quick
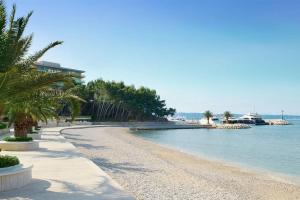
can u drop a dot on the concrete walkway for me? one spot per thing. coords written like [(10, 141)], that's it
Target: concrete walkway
[(61, 172)]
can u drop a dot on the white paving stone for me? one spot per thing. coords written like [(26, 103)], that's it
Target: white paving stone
[(61, 172)]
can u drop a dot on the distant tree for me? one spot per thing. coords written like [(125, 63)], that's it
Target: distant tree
[(227, 115), (208, 115)]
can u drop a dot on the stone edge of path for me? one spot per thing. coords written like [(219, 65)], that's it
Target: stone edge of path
[(91, 163)]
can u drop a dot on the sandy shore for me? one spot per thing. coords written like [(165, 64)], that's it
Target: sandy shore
[(150, 171)]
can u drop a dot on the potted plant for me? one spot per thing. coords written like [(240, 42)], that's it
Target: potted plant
[(13, 174)]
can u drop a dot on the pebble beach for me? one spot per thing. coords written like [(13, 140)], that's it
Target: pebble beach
[(151, 171)]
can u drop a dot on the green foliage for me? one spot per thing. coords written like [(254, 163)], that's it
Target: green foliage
[(207, 114), (17, 139), (8, 161), (227, 115), (3, 126), (25, 93), (15, 46), (109, 100)]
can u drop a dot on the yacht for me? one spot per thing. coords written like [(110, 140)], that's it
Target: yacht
[(249, 118)]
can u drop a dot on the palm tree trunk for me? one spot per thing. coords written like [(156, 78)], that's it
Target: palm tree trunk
[(21, 126)]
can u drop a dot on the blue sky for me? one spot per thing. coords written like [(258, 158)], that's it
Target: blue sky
[(205, 54)]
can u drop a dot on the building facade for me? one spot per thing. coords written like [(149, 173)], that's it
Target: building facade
[(52, 67)]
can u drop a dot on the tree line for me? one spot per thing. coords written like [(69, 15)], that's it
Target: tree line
[(115, 101)]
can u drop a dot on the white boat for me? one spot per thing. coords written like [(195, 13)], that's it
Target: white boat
[(176, 119), (251, 116)]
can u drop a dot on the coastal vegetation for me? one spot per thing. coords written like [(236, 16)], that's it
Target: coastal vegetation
[(208, 114), (115, 101), (27, 95)]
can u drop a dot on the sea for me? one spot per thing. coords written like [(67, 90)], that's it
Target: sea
[(264, 148)]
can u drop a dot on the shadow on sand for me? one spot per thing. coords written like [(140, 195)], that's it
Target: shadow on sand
[(119, 167)]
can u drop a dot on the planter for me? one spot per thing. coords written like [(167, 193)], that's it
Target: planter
[(15, 177), (35, 136), (19, 146)]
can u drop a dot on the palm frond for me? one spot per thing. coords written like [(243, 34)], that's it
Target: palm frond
[(2, 17), (33, 58)]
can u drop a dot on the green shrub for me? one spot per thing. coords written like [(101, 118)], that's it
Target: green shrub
[(8, 161), (17, 139), (2, 125)]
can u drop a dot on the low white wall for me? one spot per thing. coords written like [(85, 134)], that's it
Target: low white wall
[(15, 177), (135, 124), (19, 146), (125, 124), (63, 123)]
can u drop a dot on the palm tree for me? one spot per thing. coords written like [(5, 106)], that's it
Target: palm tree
[(40, 105), (30, 97), (14, 45), (27, 95), (207, 114), (227, 115)]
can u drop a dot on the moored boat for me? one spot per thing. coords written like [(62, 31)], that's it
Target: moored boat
[(249, 118)]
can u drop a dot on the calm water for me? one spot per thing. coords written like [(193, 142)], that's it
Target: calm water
[(272, 148)]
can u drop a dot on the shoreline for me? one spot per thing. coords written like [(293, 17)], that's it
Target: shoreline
[(290, 179), (236, 182)]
